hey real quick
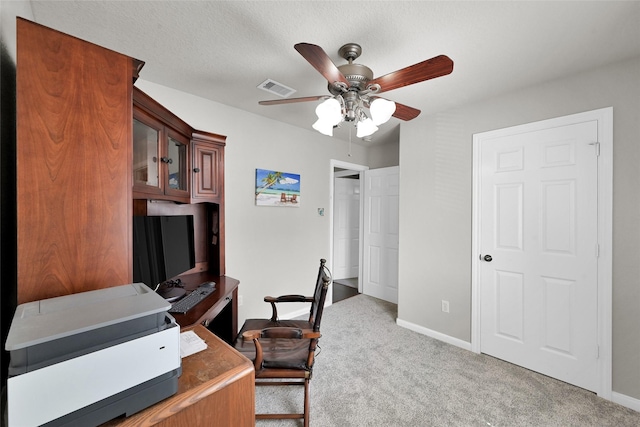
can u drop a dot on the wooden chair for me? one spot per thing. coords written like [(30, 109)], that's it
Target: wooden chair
[(283, 351)]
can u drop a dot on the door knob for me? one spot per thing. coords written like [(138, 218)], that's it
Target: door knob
[(487, 258)]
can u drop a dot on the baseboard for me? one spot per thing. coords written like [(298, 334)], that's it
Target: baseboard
[(299, 313), (294, 314), (620, 399), (624, 400), (434, 334)]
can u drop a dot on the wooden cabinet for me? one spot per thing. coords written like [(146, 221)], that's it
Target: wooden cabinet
[(207, 182), (161, 152), (201, 156), (73, 178), (160, 158), (171, 160), (80, 178), (88, 159)]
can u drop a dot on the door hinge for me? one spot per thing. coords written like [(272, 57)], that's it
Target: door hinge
[(597, 250), (597, 146), (597, 352)]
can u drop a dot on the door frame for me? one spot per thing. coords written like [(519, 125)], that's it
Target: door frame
[(333, 164), (604, 117)]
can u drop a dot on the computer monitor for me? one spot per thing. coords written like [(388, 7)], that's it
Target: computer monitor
[(163, 248)]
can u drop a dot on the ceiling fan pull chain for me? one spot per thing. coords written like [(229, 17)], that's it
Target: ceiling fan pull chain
[(349, 153)]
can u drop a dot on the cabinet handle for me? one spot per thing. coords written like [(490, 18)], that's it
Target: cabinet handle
[(196, 170)]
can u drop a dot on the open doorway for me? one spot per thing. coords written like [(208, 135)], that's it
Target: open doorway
[(346, 229)]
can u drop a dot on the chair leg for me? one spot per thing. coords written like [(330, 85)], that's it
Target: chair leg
[(306, 402), (304, 415)]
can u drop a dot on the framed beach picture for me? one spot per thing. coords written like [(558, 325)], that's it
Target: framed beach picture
[(275, 188)]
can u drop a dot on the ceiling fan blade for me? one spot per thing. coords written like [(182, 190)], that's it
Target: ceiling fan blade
[(431, 68), (403, 112), (292, 100), (406, 113), (319, 59)]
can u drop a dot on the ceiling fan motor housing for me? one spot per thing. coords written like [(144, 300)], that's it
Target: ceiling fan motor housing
[(356, 74)]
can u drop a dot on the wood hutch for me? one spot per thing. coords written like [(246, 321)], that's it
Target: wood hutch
[(85, 166), (177, 170)]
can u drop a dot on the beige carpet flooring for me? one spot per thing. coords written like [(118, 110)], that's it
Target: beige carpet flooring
[(371, 372)]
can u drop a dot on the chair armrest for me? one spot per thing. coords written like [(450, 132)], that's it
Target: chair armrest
[(289, 298), (284, 298)]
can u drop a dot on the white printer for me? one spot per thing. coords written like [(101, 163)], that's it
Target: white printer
[(83, 359)]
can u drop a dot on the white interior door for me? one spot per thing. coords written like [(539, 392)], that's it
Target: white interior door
[(346, 228), (380, 237), (538, 224)]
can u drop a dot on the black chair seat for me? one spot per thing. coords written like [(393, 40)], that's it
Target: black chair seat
[(278, 353)]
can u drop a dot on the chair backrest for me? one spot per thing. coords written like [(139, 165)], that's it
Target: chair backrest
[(322, 285)]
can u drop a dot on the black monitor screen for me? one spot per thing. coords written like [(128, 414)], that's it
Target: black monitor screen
[(177, 243), (163, 248)]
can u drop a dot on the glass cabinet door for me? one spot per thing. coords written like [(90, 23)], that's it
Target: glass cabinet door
[(146, 154), (160, 160), (176, 161)]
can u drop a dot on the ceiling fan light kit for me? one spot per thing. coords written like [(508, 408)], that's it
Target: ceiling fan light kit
[(329, 114), (336, 110), (381, 110), (365, 127), (352, 87)]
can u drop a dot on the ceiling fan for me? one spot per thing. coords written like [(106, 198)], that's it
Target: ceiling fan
[(353, 88)]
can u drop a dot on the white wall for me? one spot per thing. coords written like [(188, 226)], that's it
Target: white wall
[(9, 10), (271, 250), (383, 156), (436, 191), (387, 154)]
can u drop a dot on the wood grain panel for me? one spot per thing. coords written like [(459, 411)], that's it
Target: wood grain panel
[(73, 164)]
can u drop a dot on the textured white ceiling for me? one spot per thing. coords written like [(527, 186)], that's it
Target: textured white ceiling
[(221, 50)]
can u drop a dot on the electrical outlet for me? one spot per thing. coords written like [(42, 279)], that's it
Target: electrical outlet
[(240, 300), (445, 306)]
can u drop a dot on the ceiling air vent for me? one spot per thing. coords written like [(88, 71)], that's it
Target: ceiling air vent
[(276, 88)]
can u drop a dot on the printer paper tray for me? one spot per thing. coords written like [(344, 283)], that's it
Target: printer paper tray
[(65, 387)]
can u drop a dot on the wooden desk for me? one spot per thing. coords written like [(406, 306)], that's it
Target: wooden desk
[(216, 388), (219, 311)]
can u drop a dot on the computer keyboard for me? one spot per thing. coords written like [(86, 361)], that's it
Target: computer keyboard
[(188, 302)]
